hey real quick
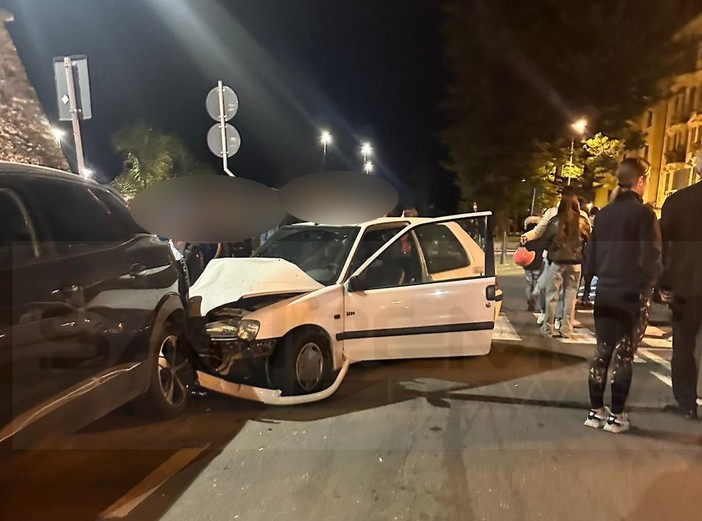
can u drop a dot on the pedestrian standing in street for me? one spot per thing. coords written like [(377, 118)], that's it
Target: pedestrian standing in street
[(537, 233), (625, 254), (568, 234), (681, 285)]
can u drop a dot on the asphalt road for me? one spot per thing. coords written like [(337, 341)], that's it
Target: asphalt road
[(495, 437)]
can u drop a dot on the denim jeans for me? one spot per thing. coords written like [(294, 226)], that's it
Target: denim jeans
[(542, 283), (564, 277)]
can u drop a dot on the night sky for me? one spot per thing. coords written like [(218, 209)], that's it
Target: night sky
[(365, 69)]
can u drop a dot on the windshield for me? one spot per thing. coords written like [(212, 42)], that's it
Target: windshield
[(319, 251)]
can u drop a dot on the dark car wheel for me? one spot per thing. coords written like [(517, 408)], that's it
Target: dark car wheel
[(171, 375), (301, 364)]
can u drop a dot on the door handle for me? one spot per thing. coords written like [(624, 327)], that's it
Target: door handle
[(72, 295), (136, 269), (66, 292)]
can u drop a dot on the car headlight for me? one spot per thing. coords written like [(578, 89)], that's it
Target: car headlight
[(223, 329), (248, 329)]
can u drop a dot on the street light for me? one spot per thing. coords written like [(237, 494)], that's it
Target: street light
[(366, 151), (325, 139), (579, 127), (368, 167)]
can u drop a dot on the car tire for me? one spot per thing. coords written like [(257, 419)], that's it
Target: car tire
[(301, 363), (170, 375)]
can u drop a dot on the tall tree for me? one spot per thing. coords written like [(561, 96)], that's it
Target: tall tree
[(150, 156), (522, 71)]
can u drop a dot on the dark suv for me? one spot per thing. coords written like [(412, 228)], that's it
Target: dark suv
[(91, 307)]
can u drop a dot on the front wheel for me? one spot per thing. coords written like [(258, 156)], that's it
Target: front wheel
[(301, 363), (171, 375)]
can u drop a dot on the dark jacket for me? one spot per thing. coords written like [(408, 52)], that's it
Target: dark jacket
[(537, 246), (570, 251), (681, 224), (625, 248)]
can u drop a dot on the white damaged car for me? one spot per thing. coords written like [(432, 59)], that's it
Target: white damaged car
[(283, 326)]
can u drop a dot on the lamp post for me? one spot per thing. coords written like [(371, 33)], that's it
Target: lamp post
[(366, 151), (325, 139), (579, 128)]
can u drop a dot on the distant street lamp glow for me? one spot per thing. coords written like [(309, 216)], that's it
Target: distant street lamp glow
[(325, 139), (366, 151), (368, 167), (580, 126)]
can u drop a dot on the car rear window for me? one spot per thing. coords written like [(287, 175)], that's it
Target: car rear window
[(442, 250)]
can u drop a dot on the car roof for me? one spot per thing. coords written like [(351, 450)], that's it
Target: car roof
[(8, 167), (23, 170), (379, 221)]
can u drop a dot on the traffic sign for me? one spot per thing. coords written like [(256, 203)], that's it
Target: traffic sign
[(232, 140), (79, 66), (231, 103)]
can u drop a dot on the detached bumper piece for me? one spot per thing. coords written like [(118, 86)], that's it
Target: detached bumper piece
[(268, 396)]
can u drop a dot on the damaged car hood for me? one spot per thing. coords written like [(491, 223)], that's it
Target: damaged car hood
[(228, 280)]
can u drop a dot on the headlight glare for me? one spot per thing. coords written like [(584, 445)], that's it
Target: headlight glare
[(223, 329), (248, 329)]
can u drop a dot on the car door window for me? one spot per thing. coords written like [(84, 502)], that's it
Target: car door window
[(77, 218), (17, 238), (371, 242), (398, 265), (443, 251)]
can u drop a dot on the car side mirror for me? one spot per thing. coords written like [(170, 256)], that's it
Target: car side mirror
[(356, 284)]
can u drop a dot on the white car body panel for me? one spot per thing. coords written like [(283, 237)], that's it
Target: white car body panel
[(445, 314), (228, 280), (318, 308)]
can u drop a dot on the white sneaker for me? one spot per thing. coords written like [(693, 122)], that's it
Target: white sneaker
[(618, 423), (557, 325), (541, 318), (597, 420)]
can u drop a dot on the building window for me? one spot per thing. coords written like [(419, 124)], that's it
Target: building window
[(693, 97), (649, 119)]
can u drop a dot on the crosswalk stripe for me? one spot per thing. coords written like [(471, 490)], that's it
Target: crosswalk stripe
[(504, 330), (653, 357)]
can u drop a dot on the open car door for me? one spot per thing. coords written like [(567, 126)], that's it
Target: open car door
[(428, 292)]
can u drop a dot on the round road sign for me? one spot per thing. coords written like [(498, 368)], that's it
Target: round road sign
[(214, 140), (231, 103)]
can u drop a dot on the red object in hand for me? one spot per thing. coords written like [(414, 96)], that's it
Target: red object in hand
[(524, 257)]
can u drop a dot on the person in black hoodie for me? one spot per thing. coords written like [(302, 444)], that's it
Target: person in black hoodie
[(681, 284), (625, 255)]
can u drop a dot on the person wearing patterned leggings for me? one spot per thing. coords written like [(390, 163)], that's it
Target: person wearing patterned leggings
[(625, 255)]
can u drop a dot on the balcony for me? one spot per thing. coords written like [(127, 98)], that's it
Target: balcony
[(677, 155)]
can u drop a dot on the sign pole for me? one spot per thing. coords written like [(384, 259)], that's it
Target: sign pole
[(68, 66), (223, 129)]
